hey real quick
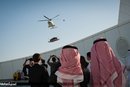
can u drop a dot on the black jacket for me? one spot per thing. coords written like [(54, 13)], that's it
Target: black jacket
[(38, 76)]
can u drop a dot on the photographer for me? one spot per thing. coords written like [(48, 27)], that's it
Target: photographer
[(26, 66), (54, 64)]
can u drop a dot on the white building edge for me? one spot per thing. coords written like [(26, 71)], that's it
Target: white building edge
[(117, 36)]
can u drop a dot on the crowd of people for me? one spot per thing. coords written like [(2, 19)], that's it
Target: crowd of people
[(100, 68)]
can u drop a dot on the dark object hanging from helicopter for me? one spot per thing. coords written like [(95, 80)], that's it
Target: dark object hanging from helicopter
[(51, 24), (53, 39)]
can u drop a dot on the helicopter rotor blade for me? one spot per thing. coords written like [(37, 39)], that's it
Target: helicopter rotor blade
[(47, 17), (55, 16), (42, 20)]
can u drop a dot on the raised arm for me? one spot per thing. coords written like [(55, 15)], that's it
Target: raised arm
[(48, 61), (25, 62), (57, 58)]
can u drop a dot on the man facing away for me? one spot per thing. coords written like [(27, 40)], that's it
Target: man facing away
[(38, 74), (70, 73), (106, 69)]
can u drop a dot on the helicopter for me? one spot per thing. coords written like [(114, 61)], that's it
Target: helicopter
[(51, 24), (53, 39)]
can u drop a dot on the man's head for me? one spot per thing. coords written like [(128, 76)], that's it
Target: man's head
[(31, 62), (43, 61), (36, 57), (53, 59), (30, 59), (128, 51), (88, 56)]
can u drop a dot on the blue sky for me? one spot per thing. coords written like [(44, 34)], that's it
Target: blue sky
[(21, 34)]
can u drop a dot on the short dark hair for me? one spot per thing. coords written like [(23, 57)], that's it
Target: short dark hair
[(30, 59), (36, 57), (43, 61), (53, 59), (82, 57), (89, 54)]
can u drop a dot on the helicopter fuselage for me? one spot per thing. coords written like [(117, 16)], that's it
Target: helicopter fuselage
[(50, 24)]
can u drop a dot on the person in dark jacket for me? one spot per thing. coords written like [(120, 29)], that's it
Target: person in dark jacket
[(54, 65), (26, 67), (86, 72), (43, 63), (38, 74)]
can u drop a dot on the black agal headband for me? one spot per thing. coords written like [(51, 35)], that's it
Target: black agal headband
[(69, 46), (103, 39)]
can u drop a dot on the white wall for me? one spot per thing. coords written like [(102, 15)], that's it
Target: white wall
[(112, 34), (8, 68), (117, 36), (124, 12)]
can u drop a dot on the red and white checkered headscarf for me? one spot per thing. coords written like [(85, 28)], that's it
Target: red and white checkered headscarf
[(106, 70), (70, 65), (70, 61)]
